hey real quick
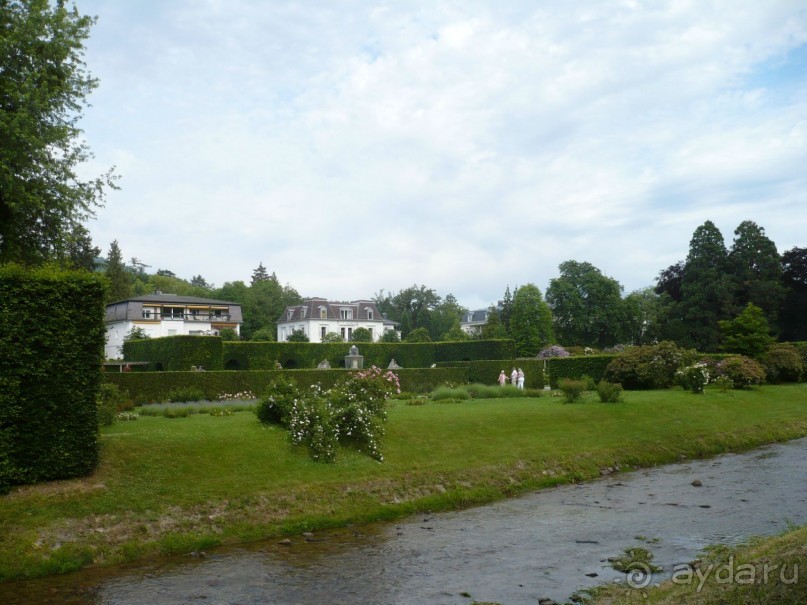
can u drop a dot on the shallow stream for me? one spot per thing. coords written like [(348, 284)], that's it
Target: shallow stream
[(548, 544)]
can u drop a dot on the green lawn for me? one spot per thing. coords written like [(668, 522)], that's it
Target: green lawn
[(171, 485)]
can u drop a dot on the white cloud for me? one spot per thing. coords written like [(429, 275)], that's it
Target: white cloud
[(463, 146)]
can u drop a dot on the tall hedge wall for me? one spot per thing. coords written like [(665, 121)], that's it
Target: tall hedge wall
[(148, 387), (179, 353), (176, 353), (51, 343)]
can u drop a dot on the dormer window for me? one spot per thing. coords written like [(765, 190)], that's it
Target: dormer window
[(323, 313), (369, 313), (290, 314), (346, 313), (305, 311)]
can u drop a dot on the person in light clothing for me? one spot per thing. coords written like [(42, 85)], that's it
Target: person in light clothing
[(520, 378)]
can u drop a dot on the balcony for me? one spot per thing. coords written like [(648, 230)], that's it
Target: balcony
[(206, 317)]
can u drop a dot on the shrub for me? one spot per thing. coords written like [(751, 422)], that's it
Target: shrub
[(352, 411), (262, 335), (782, 363), (572, 389), (649, 367), (228, 334), (184, 394), (418, 335), (724, 383), (275, 406), (693, 378), (449, 393), (609, 392), (553, 351), (111, 400), (743, 371)]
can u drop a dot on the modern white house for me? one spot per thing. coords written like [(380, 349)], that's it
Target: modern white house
[(317, 317), (161, 314)]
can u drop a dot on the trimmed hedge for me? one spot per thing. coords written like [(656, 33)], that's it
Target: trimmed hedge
[(179, 353), (150, 387), (592, 366), (176, 353), (51, 343)]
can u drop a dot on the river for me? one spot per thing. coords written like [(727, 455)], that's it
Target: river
[(547, 544)]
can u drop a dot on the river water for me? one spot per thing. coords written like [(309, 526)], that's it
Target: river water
[(548, 544)]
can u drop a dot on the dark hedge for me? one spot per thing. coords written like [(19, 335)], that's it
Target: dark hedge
[(51, 344)]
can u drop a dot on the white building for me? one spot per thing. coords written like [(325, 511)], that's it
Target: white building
[(473, 322), (161, 314), (317, 317)]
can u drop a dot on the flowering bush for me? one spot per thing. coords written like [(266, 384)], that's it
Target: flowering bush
[(782, 363), (650, 366), (693, 378), (743, 371), (352, 411), (553, 351), (242, 395)]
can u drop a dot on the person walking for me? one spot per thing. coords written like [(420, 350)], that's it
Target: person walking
[(514, 377), (520, 378), (502, 378)]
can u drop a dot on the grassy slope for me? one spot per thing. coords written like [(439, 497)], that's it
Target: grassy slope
[(171, 485)]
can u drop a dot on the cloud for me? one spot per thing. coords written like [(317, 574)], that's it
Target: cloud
[(463, 146)]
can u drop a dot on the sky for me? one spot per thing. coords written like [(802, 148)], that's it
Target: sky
[(468, 146)]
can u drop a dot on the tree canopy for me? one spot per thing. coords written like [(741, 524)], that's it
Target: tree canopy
[(43, 91)]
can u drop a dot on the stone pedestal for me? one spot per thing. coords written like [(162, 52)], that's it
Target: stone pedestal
[(354, 361)]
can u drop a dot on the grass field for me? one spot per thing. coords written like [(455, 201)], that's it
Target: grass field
[(176, 485)]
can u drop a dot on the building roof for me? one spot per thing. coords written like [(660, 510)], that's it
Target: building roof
[(160, 298), (310, 309)]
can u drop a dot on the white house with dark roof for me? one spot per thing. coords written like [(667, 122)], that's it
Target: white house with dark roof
[(161, 314), (317, 317)]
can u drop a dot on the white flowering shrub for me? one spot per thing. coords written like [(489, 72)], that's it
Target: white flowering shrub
[(352, 412), (693, 378)]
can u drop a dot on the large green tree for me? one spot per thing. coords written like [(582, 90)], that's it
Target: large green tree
[(642, 317), (43, 91), (793, 315), (587, 306), (706, 290), (444, 316), (530, 321), (120, 287), (748, 334), (411, 308), (756, 270)]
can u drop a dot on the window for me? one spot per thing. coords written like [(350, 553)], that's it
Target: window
[(289, 314), (346, 313), (322, 332), (369, 313), (323, 313), (343, 333), (305, 311)]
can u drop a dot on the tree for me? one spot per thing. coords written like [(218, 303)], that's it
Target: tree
[(361, 335), (228, 334), (263, 335), (493, 327), (587, 306), (43, 91), (389, 336), (333, 337), (79, 251), (411, 307), (748, 334), (444, 315), (200, 282), (792, 317), (455, 334), (297, 336), (641, 317), (136, 333), (260, 274), (119, 282), (506, 309), (418, 335), (756, 270), (530, 321), (705, 290)]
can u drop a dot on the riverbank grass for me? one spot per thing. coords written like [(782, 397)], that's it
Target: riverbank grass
[(771, 570), (169, 485)]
